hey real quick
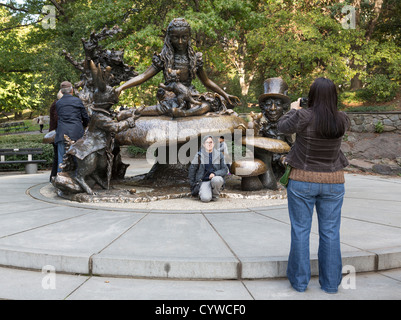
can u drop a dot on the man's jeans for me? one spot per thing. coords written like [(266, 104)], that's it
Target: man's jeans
[(60, 154), (328, 199), (210, 190)]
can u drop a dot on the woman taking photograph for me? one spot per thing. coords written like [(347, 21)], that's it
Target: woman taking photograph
[(316, 179)]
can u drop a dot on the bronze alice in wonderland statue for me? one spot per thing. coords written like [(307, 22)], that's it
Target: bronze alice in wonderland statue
[(177, 97)]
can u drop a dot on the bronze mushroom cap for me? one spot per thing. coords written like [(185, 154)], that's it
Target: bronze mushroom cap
[(248, 168), (267, 144), (263, 150)]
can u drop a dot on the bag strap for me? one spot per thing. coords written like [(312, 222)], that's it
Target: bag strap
[(199, 163)]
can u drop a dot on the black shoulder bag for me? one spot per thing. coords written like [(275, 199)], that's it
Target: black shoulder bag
[(196, 187)]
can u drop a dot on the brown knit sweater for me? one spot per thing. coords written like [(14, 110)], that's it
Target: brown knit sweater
[(317, 177)]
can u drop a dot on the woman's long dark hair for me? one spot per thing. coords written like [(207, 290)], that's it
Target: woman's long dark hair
[(328, 121)]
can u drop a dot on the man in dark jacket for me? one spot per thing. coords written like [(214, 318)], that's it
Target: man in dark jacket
[(72, 119), (207, 172)]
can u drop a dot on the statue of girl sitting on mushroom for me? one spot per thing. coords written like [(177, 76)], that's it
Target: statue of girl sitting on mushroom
[(180, 64)]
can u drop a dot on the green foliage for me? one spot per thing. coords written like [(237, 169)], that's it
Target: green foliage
[(351, 97), (379, 127), (380, 88), (371, 108), (243, 43), (135, 151)]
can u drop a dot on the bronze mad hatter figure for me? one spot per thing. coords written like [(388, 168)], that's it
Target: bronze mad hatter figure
[(269, 144), (274, 102)]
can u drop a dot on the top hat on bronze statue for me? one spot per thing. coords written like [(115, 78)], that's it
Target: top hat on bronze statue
[(274, 88)]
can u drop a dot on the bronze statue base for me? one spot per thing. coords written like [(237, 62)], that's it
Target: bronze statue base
[(139, 189)]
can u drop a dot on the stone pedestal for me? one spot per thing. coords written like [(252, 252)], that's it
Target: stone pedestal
[(31, 168), (174, 142)]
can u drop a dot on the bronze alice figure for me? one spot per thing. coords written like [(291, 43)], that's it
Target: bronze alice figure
[(177, 97)]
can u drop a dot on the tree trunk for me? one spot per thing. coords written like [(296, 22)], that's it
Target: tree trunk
[(239, 62), (17, 115), (356, 83), (373, 21), (243, 81)]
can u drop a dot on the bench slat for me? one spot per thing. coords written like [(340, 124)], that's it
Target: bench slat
[(20, 153), (21, 149), (25, 151), (22, 161)]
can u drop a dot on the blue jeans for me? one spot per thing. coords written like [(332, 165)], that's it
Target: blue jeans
[(60, 154), (328, 199)]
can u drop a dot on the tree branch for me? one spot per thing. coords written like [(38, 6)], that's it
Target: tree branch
[(21, 25), (10, 6), (59, 8), (15, 70)]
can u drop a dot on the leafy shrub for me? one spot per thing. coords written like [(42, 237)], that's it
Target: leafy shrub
[(379, 127), (351, 97), (379, 88), (135, 151), (371, 108)]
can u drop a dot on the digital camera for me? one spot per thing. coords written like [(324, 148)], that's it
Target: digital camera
[(303, 102)]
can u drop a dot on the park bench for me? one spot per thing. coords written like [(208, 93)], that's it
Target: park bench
[(13, 126), (31, 166)]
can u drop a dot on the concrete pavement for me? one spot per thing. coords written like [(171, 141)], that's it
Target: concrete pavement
[(182, 249), (34, 285)]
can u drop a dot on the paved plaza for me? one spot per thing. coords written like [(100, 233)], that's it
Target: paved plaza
[(51, 248)]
